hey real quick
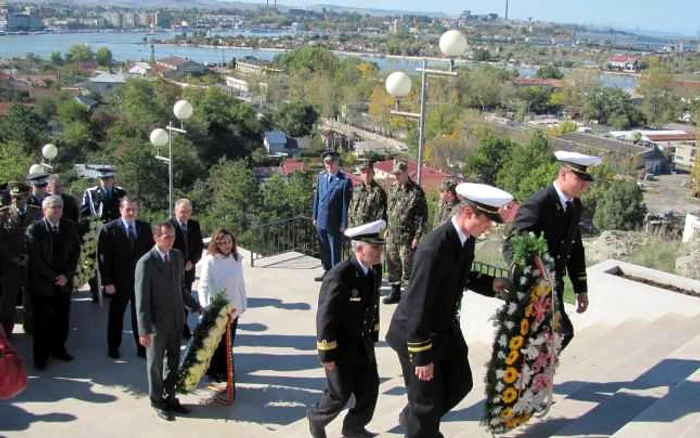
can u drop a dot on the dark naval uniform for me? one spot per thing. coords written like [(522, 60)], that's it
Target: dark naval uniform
[(347, 325), (425, 328), (13, 262), (99, 202), (544, 213)]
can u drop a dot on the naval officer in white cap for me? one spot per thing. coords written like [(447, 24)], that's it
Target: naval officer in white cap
[(425, 330), (347, 326), (555, 211)]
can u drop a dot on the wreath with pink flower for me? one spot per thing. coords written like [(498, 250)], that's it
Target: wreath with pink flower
[(520, 377)]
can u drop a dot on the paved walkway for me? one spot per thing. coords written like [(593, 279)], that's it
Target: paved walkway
[(276, 364)]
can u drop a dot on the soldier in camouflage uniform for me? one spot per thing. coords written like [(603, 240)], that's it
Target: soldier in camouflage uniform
[(447, 204), (14, 219), (408, 222), (368, 202)]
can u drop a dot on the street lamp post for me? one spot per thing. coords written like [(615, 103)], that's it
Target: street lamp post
[(398, 84), (160, 137), (49, 151)]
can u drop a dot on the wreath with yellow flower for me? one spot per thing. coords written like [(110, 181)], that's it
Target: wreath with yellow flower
[(87, 260), (204, 342), (519, 381)]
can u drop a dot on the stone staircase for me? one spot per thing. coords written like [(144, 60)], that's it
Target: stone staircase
[(632, 371), (625, 374)]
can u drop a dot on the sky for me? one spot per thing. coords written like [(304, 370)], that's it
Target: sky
[(675, 16)]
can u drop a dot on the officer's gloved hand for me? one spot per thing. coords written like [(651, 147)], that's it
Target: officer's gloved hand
[(502, 287)]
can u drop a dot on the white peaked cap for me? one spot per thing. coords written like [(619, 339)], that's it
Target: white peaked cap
[(484, 198), (372, 232)]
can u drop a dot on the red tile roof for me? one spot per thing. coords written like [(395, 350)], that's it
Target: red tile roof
[(671, 137), (292, 165), (431, 177), (624, 58)]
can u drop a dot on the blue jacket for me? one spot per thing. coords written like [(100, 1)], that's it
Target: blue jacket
[(331, 201)]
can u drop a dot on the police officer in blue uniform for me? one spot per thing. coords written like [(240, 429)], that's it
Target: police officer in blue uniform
[(330, 210)]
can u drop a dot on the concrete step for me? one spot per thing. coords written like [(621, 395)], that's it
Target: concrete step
[(632, 383), (621, 357), (677, 413)]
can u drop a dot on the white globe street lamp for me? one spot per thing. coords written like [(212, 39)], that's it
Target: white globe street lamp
[(50, 151), (398, 84), (453, 43), (160, 137), (182, 110)]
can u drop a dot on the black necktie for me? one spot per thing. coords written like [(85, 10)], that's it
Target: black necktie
[(166, 259), (54, 228)]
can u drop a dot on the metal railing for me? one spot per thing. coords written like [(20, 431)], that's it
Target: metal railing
[(494, 271), (295, 234), (298, 234)]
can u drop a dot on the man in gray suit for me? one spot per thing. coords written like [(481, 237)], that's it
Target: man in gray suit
[(160, 300)]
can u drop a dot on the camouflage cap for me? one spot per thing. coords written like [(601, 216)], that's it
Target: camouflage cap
[(18, 188), (400, 167), (365, 163), (448, 185)]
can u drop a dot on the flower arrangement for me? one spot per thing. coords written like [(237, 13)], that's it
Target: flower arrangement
[(203, 344), (519, 381), (87, 262)]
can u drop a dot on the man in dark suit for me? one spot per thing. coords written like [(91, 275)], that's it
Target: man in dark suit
[(54, 249), (330, 210), (555, 211), (425, 330), (70, 205), (160, 298), (101, 201), (189, 241), (120, 245), (347, 325)]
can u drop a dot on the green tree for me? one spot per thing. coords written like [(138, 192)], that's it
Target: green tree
[(80, 53), (14, 161), (234, 196), (661, 104), (611, 106), (103, 56), (284, 198), (536, 99), (24, 126), (296, 118), (482, 55), (549, 72), (528, 168), (483, 166), (56, 58), (308, 59), (621, 207)]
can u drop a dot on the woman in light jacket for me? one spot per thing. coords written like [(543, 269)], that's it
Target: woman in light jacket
[(222, 268)]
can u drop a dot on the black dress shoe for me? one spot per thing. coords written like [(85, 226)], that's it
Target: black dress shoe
[(316, 430), (362, 433), (64, 356), (178, 408), (165, 414), (320, 277), (40, 366), (392, 299), (114, 353)]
